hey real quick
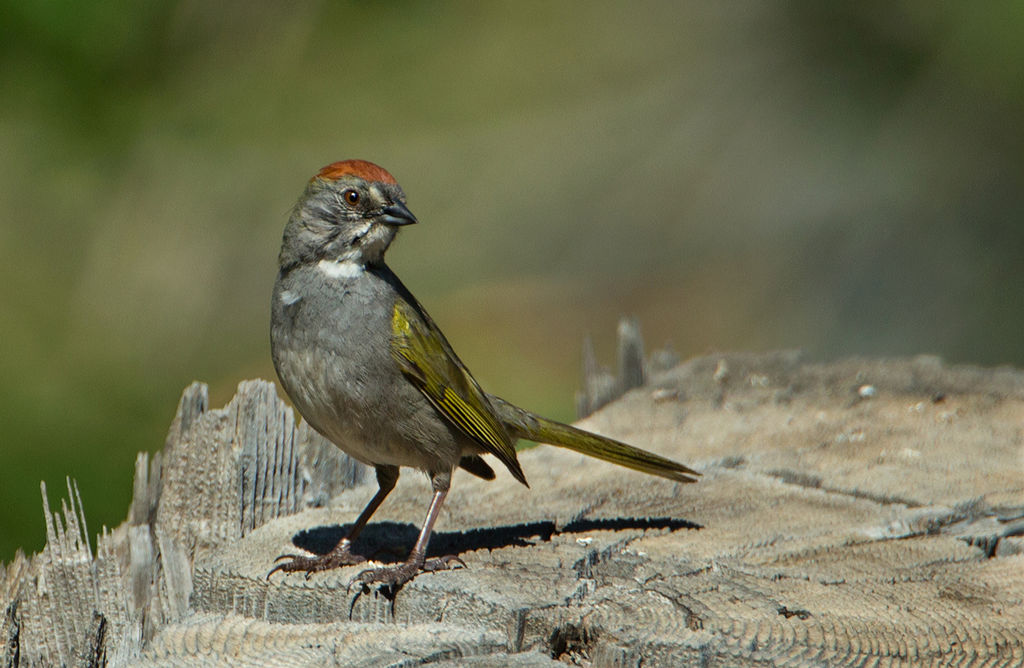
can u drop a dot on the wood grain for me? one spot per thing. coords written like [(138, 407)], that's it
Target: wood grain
[(864, 511)]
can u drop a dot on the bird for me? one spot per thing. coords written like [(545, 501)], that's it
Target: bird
[(368, 368)]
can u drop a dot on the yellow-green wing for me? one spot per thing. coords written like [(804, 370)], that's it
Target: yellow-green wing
[(428, 361)]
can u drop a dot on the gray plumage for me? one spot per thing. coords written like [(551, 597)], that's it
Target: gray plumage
[(331, 339), (369, 369)]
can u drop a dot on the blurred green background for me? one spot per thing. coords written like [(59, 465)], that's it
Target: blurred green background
[(846, 178)]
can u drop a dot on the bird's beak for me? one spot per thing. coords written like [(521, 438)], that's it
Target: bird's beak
[(397, 214)]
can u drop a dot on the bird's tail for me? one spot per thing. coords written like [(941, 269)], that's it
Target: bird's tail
[(523, 424)]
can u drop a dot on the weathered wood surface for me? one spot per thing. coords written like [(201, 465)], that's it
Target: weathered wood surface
[(866, 511)]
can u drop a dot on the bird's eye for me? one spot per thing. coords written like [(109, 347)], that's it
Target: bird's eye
[(351, 196)]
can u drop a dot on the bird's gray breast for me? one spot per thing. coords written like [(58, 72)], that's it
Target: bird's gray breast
[(331, 345)]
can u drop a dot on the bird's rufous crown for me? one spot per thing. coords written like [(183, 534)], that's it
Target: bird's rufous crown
[(361, 168)]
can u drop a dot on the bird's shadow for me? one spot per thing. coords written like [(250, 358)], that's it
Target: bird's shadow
[(390, 542)]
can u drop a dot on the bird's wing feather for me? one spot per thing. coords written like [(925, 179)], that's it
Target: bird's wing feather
[(428, 361)]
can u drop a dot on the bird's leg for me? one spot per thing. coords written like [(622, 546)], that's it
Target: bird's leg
[(417, 561), (342, 554)]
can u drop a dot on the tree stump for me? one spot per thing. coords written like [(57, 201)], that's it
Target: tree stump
[(864, 511)]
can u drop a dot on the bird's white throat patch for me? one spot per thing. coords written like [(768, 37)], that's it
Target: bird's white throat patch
[(340, 268), (288, 298)]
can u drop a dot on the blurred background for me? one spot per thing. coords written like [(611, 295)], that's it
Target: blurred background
[(845, 178)]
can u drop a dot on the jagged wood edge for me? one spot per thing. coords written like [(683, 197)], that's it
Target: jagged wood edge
[(255, 463)]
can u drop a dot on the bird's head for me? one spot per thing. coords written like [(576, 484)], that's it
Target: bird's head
[(349, 213)]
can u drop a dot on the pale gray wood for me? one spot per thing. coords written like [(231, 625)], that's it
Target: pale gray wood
[(863, 511), (222, 473), (599, 385), (631, 355)]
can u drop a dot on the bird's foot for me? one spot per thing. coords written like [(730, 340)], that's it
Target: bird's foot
[(398, 575), (341, 555)]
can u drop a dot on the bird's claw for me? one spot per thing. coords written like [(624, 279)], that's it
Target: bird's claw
[(340, 556), (283, 566), (400, 574)]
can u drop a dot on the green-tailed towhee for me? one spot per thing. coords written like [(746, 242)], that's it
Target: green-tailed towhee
[(367, 367)]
